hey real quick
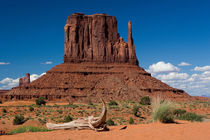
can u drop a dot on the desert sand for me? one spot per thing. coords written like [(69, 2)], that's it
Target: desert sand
[(152, 131)]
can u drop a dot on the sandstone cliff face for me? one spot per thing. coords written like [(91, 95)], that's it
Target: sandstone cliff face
[(25, 80), (94, 38)]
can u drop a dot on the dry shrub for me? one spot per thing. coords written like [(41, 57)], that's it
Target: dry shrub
[(162, 110)]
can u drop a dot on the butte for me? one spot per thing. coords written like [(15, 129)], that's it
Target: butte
[(97, 62)]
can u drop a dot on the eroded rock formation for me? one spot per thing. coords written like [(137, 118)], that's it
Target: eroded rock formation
[(25, 80), (94, 38), (96, 62)]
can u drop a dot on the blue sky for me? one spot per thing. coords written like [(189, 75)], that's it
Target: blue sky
[(165, 32)]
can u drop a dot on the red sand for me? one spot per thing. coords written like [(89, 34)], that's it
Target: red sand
[(153, 131)]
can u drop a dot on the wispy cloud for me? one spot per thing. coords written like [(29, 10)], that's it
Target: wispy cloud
[(173, 76), (47, 63), (204, 68), (184, 64), (4, 63)]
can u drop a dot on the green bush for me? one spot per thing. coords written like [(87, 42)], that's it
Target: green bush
[(178, 112), (23, 129), (110, 122), (40, 101), (131, 121), (19, 119), (136, 111), (163, 111), (60, 111), (166, 116), (145, 100), (31, 108), (42, 121), (112, 103), (67, 118), (90, 103), (4, 110), (73, 106), (190, 117)]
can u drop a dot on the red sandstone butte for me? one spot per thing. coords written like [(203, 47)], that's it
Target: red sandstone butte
[(97, 62)]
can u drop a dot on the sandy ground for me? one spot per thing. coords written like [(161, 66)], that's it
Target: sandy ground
[(153, 131)]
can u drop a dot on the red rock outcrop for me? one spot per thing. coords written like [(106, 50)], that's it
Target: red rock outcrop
[(96, 62), (94, 38), (25, 80)]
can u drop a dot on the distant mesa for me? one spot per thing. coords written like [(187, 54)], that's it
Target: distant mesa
[(97, 62), (3, 91)]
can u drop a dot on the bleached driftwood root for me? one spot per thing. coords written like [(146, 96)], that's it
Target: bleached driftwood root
[(94, 123)]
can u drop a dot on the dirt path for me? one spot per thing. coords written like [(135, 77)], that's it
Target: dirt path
[(153, 131)]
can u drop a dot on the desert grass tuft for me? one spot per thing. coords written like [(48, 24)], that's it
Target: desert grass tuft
[(28, 128), (162, 110), (110, 122), (131, 121), (113, 103), (145, 100), (189, 116)]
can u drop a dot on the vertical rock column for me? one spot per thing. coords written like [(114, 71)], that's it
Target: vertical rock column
[(131, 47), (25, 80)]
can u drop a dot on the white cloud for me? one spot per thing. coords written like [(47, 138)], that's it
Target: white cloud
[(35, 76), (184, 64), (6, 80), (162, 67), (173, 76), (195, 84), (8, 83), (4, 63), (204, 68), (47, 63)]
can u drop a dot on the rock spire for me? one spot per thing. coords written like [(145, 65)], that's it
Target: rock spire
[(25, 80)]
